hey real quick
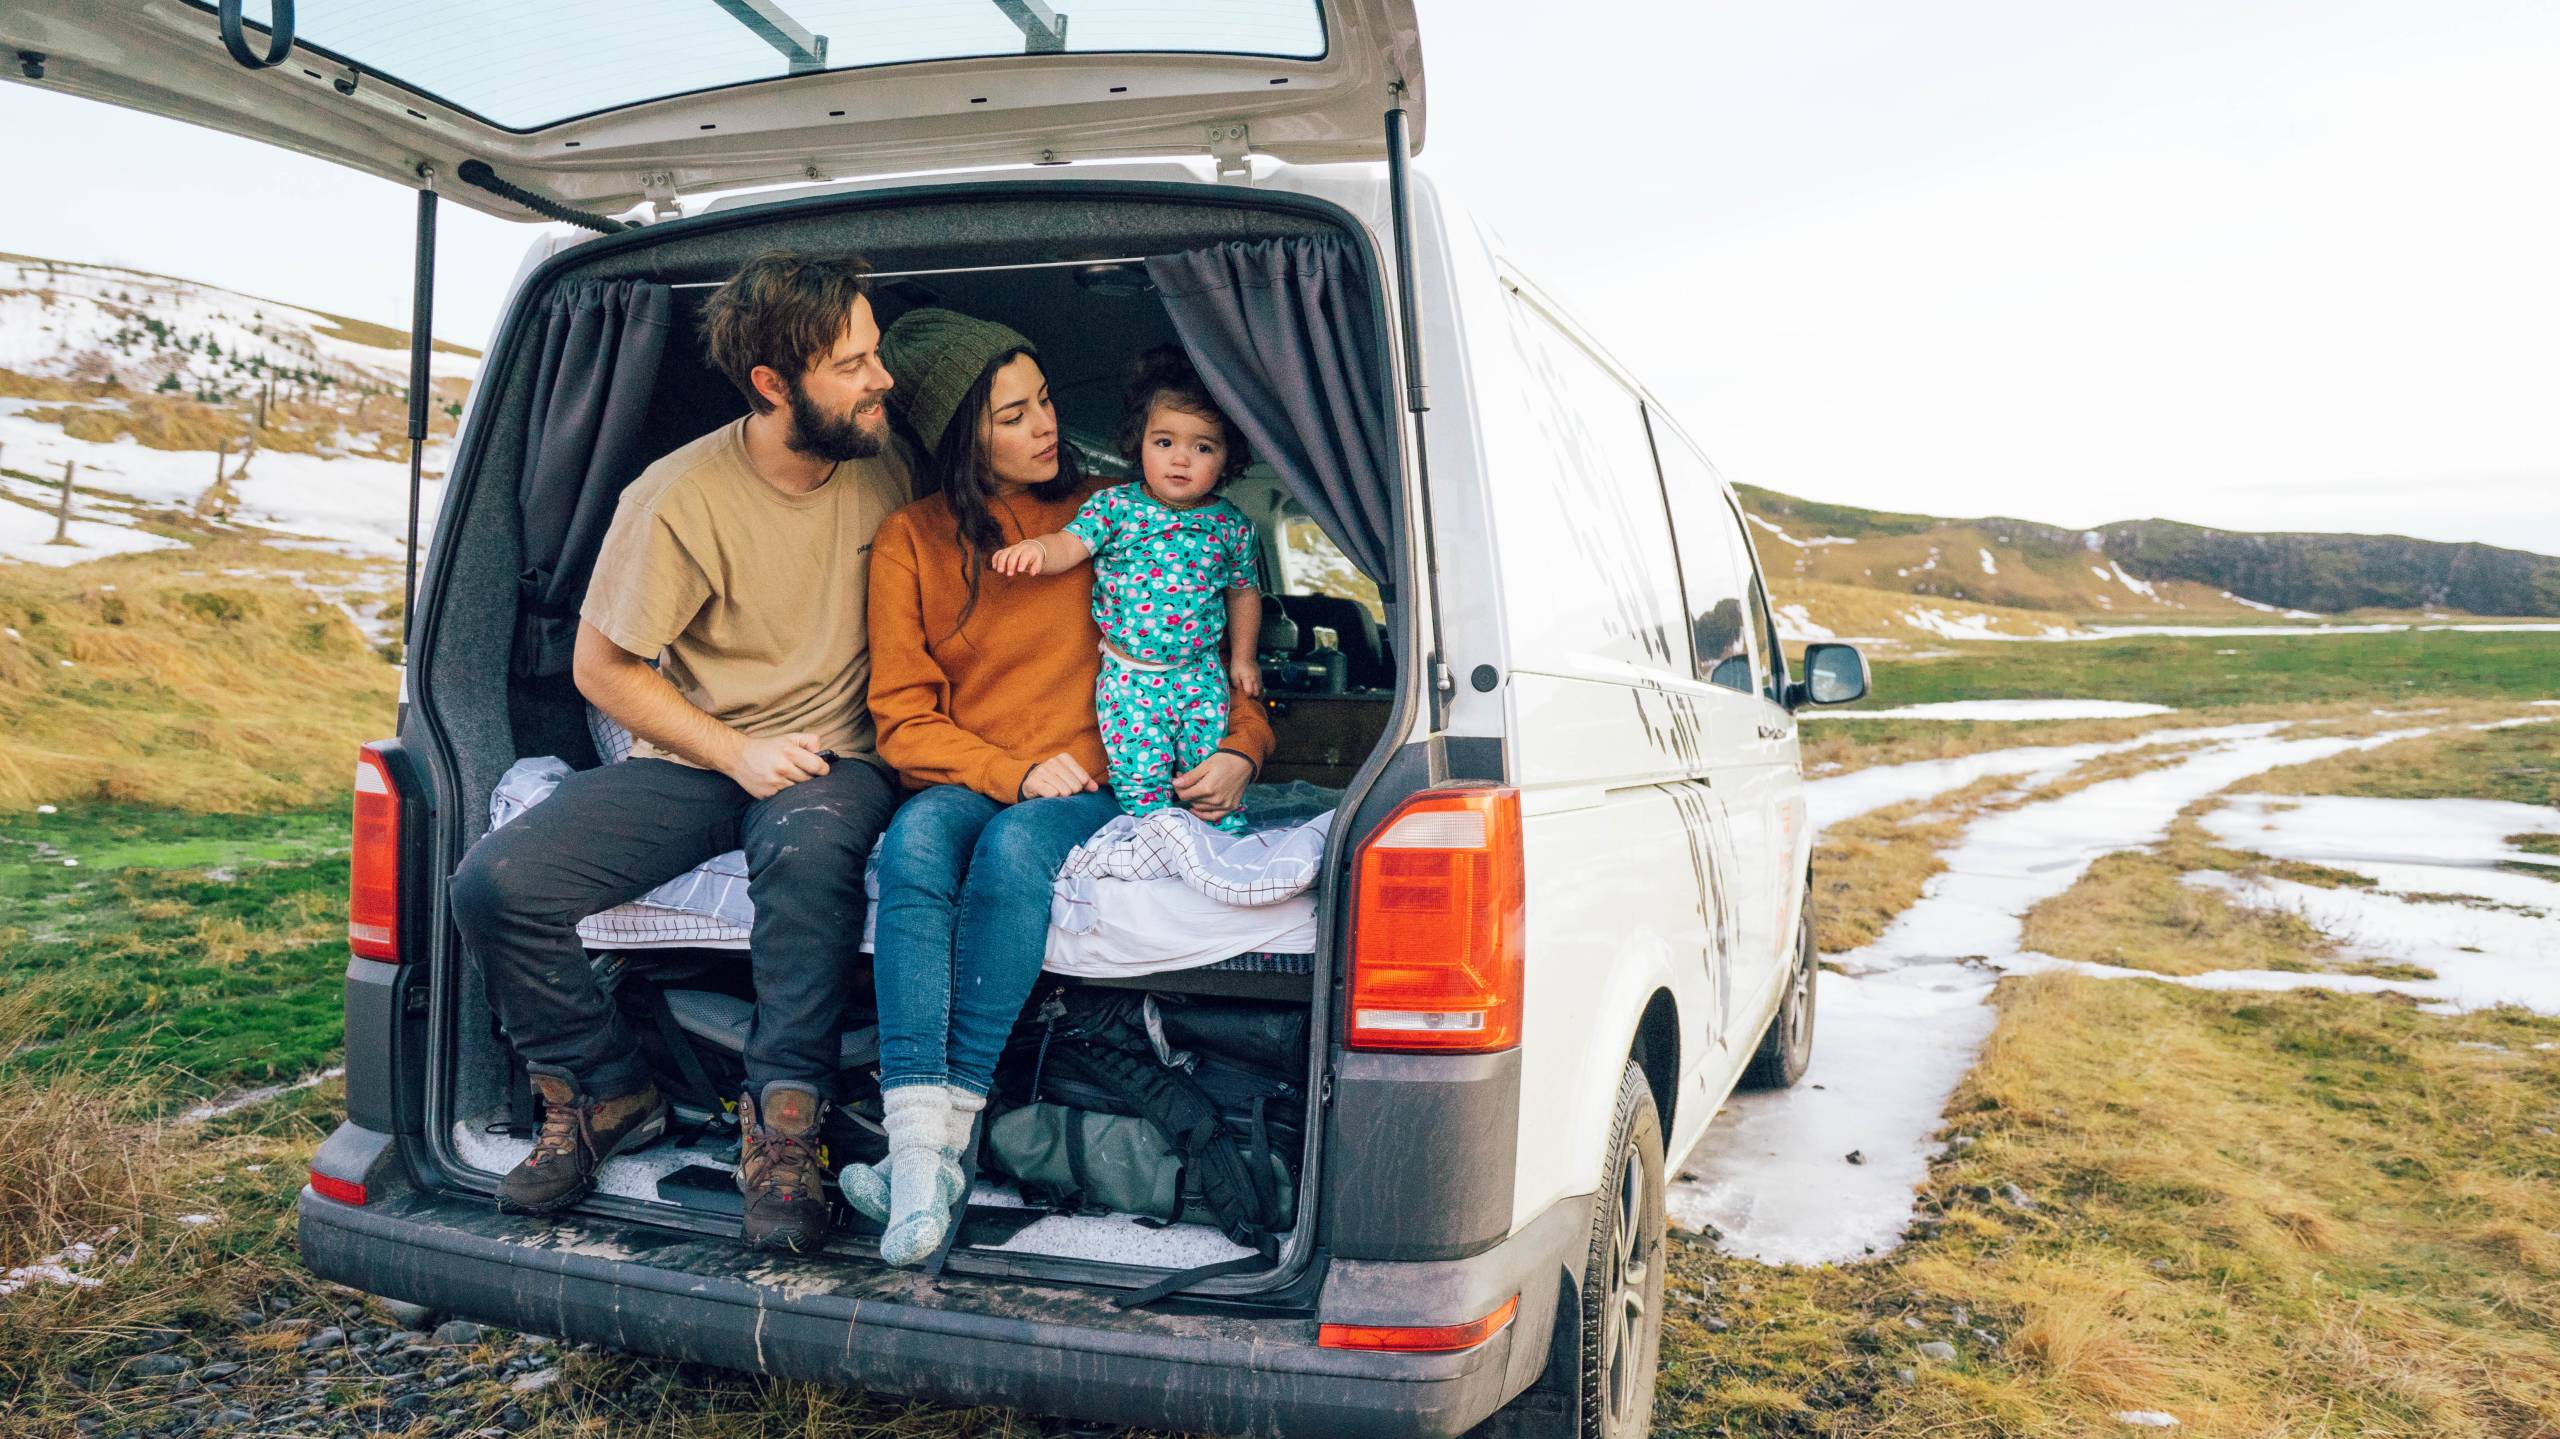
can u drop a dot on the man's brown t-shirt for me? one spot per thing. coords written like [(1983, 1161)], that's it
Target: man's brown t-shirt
[(751, 600)]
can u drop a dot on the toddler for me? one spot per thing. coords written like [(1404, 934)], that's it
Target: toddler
[(1174, 569)]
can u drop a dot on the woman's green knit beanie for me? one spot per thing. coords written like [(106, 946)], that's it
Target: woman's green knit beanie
[(934, 356)]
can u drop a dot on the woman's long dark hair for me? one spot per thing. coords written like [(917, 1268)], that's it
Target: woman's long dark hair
[(960, 469)]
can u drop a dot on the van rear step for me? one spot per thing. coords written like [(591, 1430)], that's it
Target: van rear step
[(1058, 1349)]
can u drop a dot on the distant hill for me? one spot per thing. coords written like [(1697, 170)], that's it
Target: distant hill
[(2136, 569), (105, 325)]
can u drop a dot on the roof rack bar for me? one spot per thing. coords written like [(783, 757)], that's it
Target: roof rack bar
[(775, 27), (1044, 31), (960, 270)]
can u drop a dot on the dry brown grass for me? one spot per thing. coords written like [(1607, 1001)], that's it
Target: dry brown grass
[(2132, 909), (2305, 1214), (182, 687), (15, 386)]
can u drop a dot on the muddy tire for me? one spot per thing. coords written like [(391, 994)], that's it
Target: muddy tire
[(1786, 1047), (1621, 1328)]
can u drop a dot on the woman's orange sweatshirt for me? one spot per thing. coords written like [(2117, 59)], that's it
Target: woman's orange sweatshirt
[(981, 706)]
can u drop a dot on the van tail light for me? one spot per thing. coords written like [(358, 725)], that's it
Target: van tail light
[(345, 1191), (1436, 929), (373, 894), (1409, 1339)]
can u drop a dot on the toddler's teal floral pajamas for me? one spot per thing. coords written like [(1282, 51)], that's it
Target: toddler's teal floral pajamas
[(1160, 582)]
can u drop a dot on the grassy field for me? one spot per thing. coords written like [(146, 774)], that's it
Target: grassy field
[(2213, 672), (2272, 1215)]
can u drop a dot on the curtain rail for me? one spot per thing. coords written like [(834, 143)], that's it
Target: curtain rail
[(959, 270)]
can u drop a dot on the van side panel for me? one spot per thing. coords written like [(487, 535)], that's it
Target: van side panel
[(1629, 845)]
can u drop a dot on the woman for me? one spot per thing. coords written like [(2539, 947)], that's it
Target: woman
[(982, 690)]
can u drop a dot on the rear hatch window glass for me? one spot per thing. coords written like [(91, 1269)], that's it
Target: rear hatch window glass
[(523, 67)]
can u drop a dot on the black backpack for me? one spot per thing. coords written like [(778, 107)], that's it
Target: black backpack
[(1225, 1111)]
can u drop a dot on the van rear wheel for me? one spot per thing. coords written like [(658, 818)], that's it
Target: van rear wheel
[(1787, 1046), (1622, 1282)]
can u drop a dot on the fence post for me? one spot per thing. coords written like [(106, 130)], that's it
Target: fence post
[(62, 512)]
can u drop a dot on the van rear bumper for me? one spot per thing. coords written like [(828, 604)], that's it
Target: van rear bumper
[(1045, 1348)]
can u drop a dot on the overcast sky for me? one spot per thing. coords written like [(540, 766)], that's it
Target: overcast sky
[(2253, 264)]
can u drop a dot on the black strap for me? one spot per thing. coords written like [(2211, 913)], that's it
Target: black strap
[(520, 1116), (703, 1093), (1075, 1152), (235, 35), (1265, 1254)]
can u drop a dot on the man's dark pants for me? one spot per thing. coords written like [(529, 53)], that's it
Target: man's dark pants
[(613, 834)]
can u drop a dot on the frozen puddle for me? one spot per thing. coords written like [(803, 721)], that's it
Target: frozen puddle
[(2010, 710), (1913, 1005), (1845, 797)]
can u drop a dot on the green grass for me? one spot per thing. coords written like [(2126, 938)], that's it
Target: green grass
[(209, 947), (2407, 667)]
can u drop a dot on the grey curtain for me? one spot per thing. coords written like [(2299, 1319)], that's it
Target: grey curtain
[(587, 438), (1283, 333)]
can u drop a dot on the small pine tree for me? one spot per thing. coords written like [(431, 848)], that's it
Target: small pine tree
[(168, 383)]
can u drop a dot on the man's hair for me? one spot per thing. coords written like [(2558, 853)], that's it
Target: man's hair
[(783, 309)]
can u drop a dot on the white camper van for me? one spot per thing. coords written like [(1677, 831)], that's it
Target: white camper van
[(1521, 659)]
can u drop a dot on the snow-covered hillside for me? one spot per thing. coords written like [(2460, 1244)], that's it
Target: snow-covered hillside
[(97, 359), (155, 334)]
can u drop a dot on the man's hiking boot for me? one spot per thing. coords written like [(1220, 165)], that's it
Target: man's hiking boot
[(785, 1205), (578, 1134)]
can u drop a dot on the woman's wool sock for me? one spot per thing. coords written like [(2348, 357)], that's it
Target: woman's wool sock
[(924, 1180), (965, 1107)]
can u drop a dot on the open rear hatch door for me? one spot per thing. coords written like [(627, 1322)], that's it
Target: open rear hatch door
[(599, 104)]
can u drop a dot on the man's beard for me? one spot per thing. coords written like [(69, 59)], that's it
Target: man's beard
[(822, 436)]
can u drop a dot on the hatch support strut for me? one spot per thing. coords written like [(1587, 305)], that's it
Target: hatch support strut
[(422, 312), (775, 27), (1440, 684)]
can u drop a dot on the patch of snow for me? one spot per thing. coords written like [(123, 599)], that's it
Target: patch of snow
[(2405, 846), (1787, 539), (2101, 572), (2535, 627), (260, 1095), (61, 1267), (1952, 947), (2123, 632), (1990, 566), (2009, 710), (1795, 622), (2147, 1418), (2252, 604), (2139, 587), (1771, 1177), (197, 1221), (1954, 626), (1838, 798), (2480, 959)]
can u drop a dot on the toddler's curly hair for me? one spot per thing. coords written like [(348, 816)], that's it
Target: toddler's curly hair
[(1165, 375)]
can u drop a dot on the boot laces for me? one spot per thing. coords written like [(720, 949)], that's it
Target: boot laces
[(562, 1129), (784, 1163)]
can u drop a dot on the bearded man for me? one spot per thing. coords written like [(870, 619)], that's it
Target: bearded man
[(724, 627)]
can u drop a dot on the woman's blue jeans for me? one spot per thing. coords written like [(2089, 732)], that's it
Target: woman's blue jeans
[(963, 924)]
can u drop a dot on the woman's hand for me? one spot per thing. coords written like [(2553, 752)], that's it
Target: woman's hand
[(1026, 558), (1213, 788), (1057, 777)]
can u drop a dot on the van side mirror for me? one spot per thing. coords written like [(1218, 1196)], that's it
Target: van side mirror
[(1833, 675)]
